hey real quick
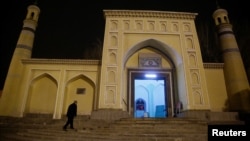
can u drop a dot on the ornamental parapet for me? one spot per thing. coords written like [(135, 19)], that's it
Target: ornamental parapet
[(149, 14), (213, 65), (62, 61)]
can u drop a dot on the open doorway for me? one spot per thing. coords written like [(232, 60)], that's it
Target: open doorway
[(149, 98), (150, 93)]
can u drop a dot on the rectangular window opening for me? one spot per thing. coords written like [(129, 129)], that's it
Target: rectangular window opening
[(80, 90)]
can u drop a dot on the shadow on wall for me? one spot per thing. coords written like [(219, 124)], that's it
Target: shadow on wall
[(239, 102)]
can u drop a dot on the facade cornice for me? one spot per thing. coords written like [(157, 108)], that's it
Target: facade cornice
[(213, 65), (61, 61), (149, 14)]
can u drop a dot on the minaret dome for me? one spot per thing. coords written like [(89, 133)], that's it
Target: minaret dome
[(221, 17), (33, 13)]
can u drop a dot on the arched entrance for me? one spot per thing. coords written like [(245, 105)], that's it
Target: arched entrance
[(167, 64)]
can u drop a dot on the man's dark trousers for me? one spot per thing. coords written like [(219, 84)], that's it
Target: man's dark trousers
[(69, 122)]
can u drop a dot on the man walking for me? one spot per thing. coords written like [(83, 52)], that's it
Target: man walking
[(71, 114)]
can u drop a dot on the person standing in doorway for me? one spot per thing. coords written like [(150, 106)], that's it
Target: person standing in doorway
[(71, 114), (178, 108)]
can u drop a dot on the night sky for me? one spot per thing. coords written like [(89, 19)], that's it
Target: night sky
[(67, 27)]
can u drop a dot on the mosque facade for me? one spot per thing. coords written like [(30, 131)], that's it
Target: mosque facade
[(151, 66)]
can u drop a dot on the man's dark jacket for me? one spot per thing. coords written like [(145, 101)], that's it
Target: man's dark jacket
[(72, 110)]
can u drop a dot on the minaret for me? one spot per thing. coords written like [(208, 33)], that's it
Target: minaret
[(9, 100), (235, 74)]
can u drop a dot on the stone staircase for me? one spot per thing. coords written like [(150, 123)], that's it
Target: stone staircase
[(143, 129), (93, 128)]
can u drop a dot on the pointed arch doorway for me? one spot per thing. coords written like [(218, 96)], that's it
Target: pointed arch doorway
[(150, 93)]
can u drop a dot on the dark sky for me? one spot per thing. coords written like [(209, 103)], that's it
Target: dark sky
[(67, 27)]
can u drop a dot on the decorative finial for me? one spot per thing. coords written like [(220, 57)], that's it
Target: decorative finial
[(35, 2), (217, 4)]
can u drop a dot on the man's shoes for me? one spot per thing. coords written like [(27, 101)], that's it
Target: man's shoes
[(74, 129), (64, 129)]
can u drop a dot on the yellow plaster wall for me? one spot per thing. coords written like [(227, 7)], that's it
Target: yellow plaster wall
[(172, 40), (49, 86), (216, 88), (42, 96)]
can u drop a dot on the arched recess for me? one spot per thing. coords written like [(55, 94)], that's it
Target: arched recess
[(82, 89), (42, 95), (177, 65)]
